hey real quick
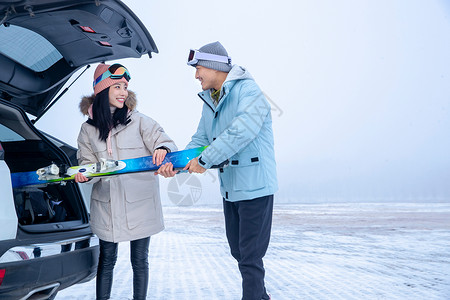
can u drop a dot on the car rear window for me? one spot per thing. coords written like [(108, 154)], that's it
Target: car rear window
[(27, 48), (8, 135)]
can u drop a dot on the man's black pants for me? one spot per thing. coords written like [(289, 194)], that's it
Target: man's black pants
[(248, 224)]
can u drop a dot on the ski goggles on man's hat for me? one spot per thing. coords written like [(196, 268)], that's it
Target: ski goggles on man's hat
[(115, 71), (195, 56)]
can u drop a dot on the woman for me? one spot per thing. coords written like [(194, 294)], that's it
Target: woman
[(125, 207)]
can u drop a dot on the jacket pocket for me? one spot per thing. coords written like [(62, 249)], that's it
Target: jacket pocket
[(98, 147), (140, 211), (127, 140), (140, 201), (100, 212), (248, 173), (130, 144), (101, 191), (139, 186)]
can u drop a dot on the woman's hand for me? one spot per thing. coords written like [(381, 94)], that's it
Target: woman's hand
[(166, 170), (79, 177), (158, 156)]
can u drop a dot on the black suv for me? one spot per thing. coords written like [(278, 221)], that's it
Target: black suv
[(45, 241)]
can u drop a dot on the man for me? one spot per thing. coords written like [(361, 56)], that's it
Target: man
[(236, 123)]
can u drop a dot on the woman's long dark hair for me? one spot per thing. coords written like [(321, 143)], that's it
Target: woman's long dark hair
[(101, 114)]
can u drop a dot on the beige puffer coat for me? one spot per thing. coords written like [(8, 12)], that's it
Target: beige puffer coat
[(125, 207)]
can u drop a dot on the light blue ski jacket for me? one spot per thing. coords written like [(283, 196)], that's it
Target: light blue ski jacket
[(238, 130)]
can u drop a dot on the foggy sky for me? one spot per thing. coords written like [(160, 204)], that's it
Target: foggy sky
[(359, 90)]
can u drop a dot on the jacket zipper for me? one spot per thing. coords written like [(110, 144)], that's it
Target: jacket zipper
[(206, 102), (214, 110)]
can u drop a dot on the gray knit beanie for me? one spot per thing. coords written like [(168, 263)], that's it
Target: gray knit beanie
[(218, 49)]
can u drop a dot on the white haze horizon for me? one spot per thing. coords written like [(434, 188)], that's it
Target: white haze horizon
[(359, 90)]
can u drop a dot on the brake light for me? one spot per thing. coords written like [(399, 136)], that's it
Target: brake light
[(105, 44), (2, 275), (87, 29)]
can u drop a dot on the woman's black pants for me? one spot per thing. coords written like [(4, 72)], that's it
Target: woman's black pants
[(139, 262)]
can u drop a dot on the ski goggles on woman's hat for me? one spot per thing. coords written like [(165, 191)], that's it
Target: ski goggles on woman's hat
[(115, 71), (195, 55)]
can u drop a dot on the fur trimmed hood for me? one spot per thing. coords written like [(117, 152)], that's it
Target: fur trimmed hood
[(86, 102)]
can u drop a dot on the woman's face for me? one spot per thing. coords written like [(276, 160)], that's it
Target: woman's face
[(118, 93)]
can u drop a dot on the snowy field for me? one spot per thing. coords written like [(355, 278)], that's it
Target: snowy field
[(317, 251)]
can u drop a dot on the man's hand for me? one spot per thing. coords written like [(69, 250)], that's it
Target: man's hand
[(166, 170), (158, 156), (79, 177), (194, 167)]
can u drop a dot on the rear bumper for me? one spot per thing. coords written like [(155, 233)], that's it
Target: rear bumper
[(42, 273)]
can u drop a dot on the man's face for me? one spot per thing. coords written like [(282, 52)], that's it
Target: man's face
[(207, 77)]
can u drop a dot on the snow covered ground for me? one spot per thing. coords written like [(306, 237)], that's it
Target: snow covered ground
[(317, 251)]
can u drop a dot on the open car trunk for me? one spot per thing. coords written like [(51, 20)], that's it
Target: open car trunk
[(44, 42), (46, 208)]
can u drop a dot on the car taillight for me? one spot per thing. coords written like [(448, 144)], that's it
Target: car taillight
[(103, 43), (2, 275), (87, 29)]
